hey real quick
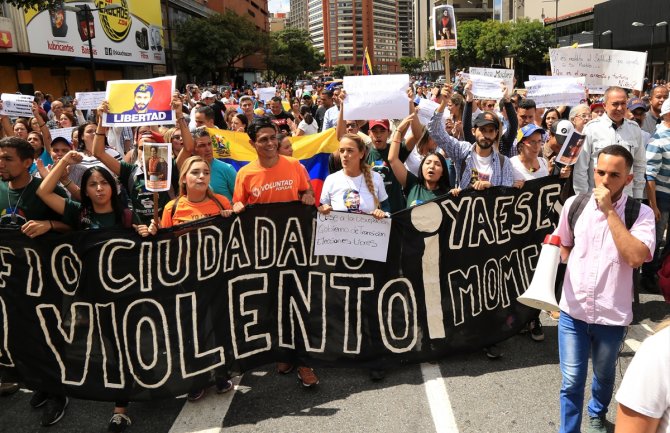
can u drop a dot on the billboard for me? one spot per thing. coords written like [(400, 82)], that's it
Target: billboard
[(120, 30)]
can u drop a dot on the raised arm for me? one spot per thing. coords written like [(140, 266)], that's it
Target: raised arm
[(188, 148), (436, 128), (49, 183), (507, 140), (467, 114), (399, 169), (46, 135), (341, 126), (99, 143)]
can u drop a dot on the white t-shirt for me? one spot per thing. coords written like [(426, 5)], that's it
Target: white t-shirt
[(522, 173), (645, 387), (413, 161), (351, 194), (483, 166), (309, 129)]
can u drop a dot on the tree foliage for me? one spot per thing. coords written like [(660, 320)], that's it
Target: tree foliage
[(468, 35), (217, 43), (411, 65), (339, 71), (530, 42), (291, 53)]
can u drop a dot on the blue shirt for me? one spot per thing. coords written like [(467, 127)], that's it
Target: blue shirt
[(222, 180)]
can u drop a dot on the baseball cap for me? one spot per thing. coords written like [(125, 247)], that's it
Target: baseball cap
[(597, 104), (384, 123), (561, 130), (665, 108), (635, 103), (527, 131), (484, 119), (61, 140), (306, 95), (207, 94)]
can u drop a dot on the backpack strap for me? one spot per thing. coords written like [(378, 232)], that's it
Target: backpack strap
[(631, 212), (174, 207), (501, 158), (218, 203), (576, 210)]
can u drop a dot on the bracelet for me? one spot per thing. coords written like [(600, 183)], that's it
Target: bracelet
[(51, 224), (100, 133), (65, 185)]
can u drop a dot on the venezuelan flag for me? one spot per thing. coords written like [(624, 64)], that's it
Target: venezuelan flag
[(367, 64), (312, 151)]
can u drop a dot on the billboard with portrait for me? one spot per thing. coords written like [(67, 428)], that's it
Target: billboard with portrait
[(119, 30)]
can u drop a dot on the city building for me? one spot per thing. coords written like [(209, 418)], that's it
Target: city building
[(406, 28), (297, 16), (278, 21)]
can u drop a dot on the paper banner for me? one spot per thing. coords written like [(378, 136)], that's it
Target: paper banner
[(266, 93), (601, 68), (556, 91), (506, 75), (62, 132), (376, 97), (17, 105), (352, 235), (89, 100), (140, 102), (426, 108), (486, 87)]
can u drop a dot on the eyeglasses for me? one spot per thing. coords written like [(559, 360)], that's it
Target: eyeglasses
[(584, 116)]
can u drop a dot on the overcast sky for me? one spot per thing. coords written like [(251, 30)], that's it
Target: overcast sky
[(278, 5)]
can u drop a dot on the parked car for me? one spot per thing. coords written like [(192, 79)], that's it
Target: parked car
[(441, 80)]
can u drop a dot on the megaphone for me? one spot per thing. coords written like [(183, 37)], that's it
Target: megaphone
[(540, 293)]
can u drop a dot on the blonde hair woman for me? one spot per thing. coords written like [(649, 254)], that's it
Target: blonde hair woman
[(354, 188)]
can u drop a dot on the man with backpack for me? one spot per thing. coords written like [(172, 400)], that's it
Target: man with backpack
[(604, 235)]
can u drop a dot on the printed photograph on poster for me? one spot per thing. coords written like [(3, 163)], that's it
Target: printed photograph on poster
[(157, 160), (444, 28), (140, 102), (571, 148)]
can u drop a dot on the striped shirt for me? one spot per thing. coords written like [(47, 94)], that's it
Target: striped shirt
[(77, 170), (658, 159)]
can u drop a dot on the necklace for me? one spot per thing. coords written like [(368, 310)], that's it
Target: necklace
[(530, 169), (9, 203)]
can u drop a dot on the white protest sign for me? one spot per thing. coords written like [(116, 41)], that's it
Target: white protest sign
[(376, 97), (352, 235), (62, 132), (89, 100), (556, 92), (506, 75), (426, 108), (486, 87), (309, 88), (266, 93), (17, 105), (601, 68), (593, 89)]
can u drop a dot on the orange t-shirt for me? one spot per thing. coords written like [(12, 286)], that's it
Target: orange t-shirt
[(188, 211), (283, 182)]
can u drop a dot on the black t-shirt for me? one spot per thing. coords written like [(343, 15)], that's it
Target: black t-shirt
[(320, 114), (280, 120), (18, 206)]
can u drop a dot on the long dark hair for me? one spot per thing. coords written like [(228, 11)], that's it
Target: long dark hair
[(306, 114), (443, 182), (80, 136), (87, 205)]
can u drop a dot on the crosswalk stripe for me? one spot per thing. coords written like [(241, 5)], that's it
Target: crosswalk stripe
[(438, 399)]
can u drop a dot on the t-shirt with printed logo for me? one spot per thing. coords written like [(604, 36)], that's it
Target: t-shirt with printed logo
[(283, 182)]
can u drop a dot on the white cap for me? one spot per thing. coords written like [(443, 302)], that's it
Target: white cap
[(207, 94), (665, 108)]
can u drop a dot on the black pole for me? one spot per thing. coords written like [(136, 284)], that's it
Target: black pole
[(89, 21), (651, 56), (556, 25)]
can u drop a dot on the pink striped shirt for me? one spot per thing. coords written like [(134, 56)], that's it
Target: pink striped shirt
[(598, 284)]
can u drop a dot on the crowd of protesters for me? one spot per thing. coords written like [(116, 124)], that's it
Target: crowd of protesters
[(381, 166)]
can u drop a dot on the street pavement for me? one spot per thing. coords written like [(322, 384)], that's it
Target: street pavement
[(465, 393)]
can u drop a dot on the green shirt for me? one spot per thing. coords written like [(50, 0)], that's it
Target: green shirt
[(73, 217), (379, 162), (18, 206), (141, 200), (417, 193)]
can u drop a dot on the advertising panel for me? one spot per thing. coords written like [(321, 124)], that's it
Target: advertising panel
[(120, 30)]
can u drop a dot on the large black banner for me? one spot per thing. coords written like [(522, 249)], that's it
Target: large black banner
[(108, 315)]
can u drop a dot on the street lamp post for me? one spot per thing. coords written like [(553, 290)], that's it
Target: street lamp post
[(651, 44), (89, 20), (555, 19)]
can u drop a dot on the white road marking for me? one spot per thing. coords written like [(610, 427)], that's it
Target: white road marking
[(206, 415), (438, 399)]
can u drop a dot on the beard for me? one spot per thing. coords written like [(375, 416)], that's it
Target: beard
[(485, 143), (140, 107)]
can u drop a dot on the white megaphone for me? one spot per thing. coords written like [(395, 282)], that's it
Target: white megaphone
[(540, 293)]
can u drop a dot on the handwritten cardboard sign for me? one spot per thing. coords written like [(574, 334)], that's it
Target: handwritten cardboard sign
[(352, 235), (89, 100), (506, 75), (425, 111), (600, 68), (556, 91), (484, 87)]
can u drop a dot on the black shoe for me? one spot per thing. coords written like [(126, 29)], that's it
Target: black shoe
[(223, 385), (38, 399), (118, 423), (535, 328), (492, 352), (54, 410), (9, 388), (377, 374)]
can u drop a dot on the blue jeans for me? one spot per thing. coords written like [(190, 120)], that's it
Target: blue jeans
[(576, 340)]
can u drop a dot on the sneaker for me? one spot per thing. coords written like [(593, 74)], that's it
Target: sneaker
[(38, 399), (8, 388), (284, 367), (377, 374), (118, 423), (223, 385), (54, 410), (596, 425), (535, 328), (492, 352), (195, 395), (307, 377)]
